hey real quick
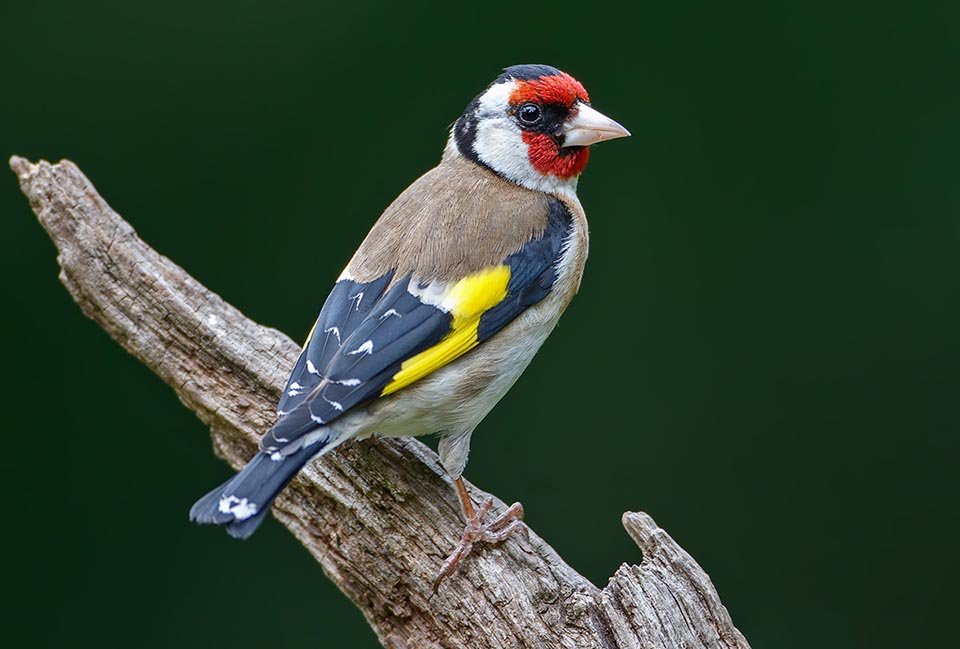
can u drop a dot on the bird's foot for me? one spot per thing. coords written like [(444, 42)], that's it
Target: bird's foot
[(475, 531)]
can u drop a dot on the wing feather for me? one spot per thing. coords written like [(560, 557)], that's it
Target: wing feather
[(376, 338), (344, 309)]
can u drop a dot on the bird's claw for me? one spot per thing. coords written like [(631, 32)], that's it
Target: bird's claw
[(507, 524)]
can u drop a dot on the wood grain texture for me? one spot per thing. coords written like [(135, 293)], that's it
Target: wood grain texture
[(379, 516)]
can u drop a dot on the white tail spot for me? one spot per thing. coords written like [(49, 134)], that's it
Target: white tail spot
[(241, 508)]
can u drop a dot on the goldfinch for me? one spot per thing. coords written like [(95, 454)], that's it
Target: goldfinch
[(445, 302)]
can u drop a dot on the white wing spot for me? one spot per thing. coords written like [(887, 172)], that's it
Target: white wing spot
[(241, 508), (365, 348), (336, 404), (432, 293), (359, 298), (350, 383), (295, 390), (317, 420), (276, 456), (388, 313), (312, 368), (334, 330)]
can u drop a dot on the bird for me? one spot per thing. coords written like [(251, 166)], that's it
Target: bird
[(445, 302)]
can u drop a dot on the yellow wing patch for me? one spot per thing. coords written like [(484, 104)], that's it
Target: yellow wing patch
[(466, 300)]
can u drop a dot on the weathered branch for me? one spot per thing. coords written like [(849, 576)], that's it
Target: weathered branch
[(378, 515)]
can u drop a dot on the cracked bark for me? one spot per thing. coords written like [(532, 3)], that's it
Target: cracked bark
[(379, 515)]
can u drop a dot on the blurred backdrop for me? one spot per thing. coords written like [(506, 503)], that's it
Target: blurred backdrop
[(763, 356)]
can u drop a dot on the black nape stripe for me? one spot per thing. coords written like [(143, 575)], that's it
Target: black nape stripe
[(465, 131)]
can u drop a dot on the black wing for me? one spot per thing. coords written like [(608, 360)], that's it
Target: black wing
[(345, 308)]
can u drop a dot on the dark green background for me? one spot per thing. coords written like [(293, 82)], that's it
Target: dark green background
[(763, 356)]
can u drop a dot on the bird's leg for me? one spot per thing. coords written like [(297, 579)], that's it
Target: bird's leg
[(475, 531)]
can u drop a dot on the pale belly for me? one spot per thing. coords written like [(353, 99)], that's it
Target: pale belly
[(455, 398)]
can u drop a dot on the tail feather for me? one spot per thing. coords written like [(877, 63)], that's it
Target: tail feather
[(242, 503)]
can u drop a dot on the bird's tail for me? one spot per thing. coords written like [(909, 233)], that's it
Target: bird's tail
[(242, 503)]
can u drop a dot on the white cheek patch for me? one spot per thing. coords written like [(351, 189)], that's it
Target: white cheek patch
[(499, 144), (499, 141)]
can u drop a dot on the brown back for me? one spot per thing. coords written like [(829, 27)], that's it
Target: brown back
[(456, 219)]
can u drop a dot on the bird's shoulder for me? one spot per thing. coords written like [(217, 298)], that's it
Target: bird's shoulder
[(456, 219)]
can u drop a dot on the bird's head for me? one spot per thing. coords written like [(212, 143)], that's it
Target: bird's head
[(534, 126)]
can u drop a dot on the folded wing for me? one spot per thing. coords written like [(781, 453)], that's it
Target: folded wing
[(375, 338)]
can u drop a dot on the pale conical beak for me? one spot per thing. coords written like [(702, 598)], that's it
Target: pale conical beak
[(589, 126)]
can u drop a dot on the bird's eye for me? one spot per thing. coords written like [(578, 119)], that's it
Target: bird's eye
[(530, 113)]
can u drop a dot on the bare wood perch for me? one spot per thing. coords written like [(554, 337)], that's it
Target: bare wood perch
[(379, 516)]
